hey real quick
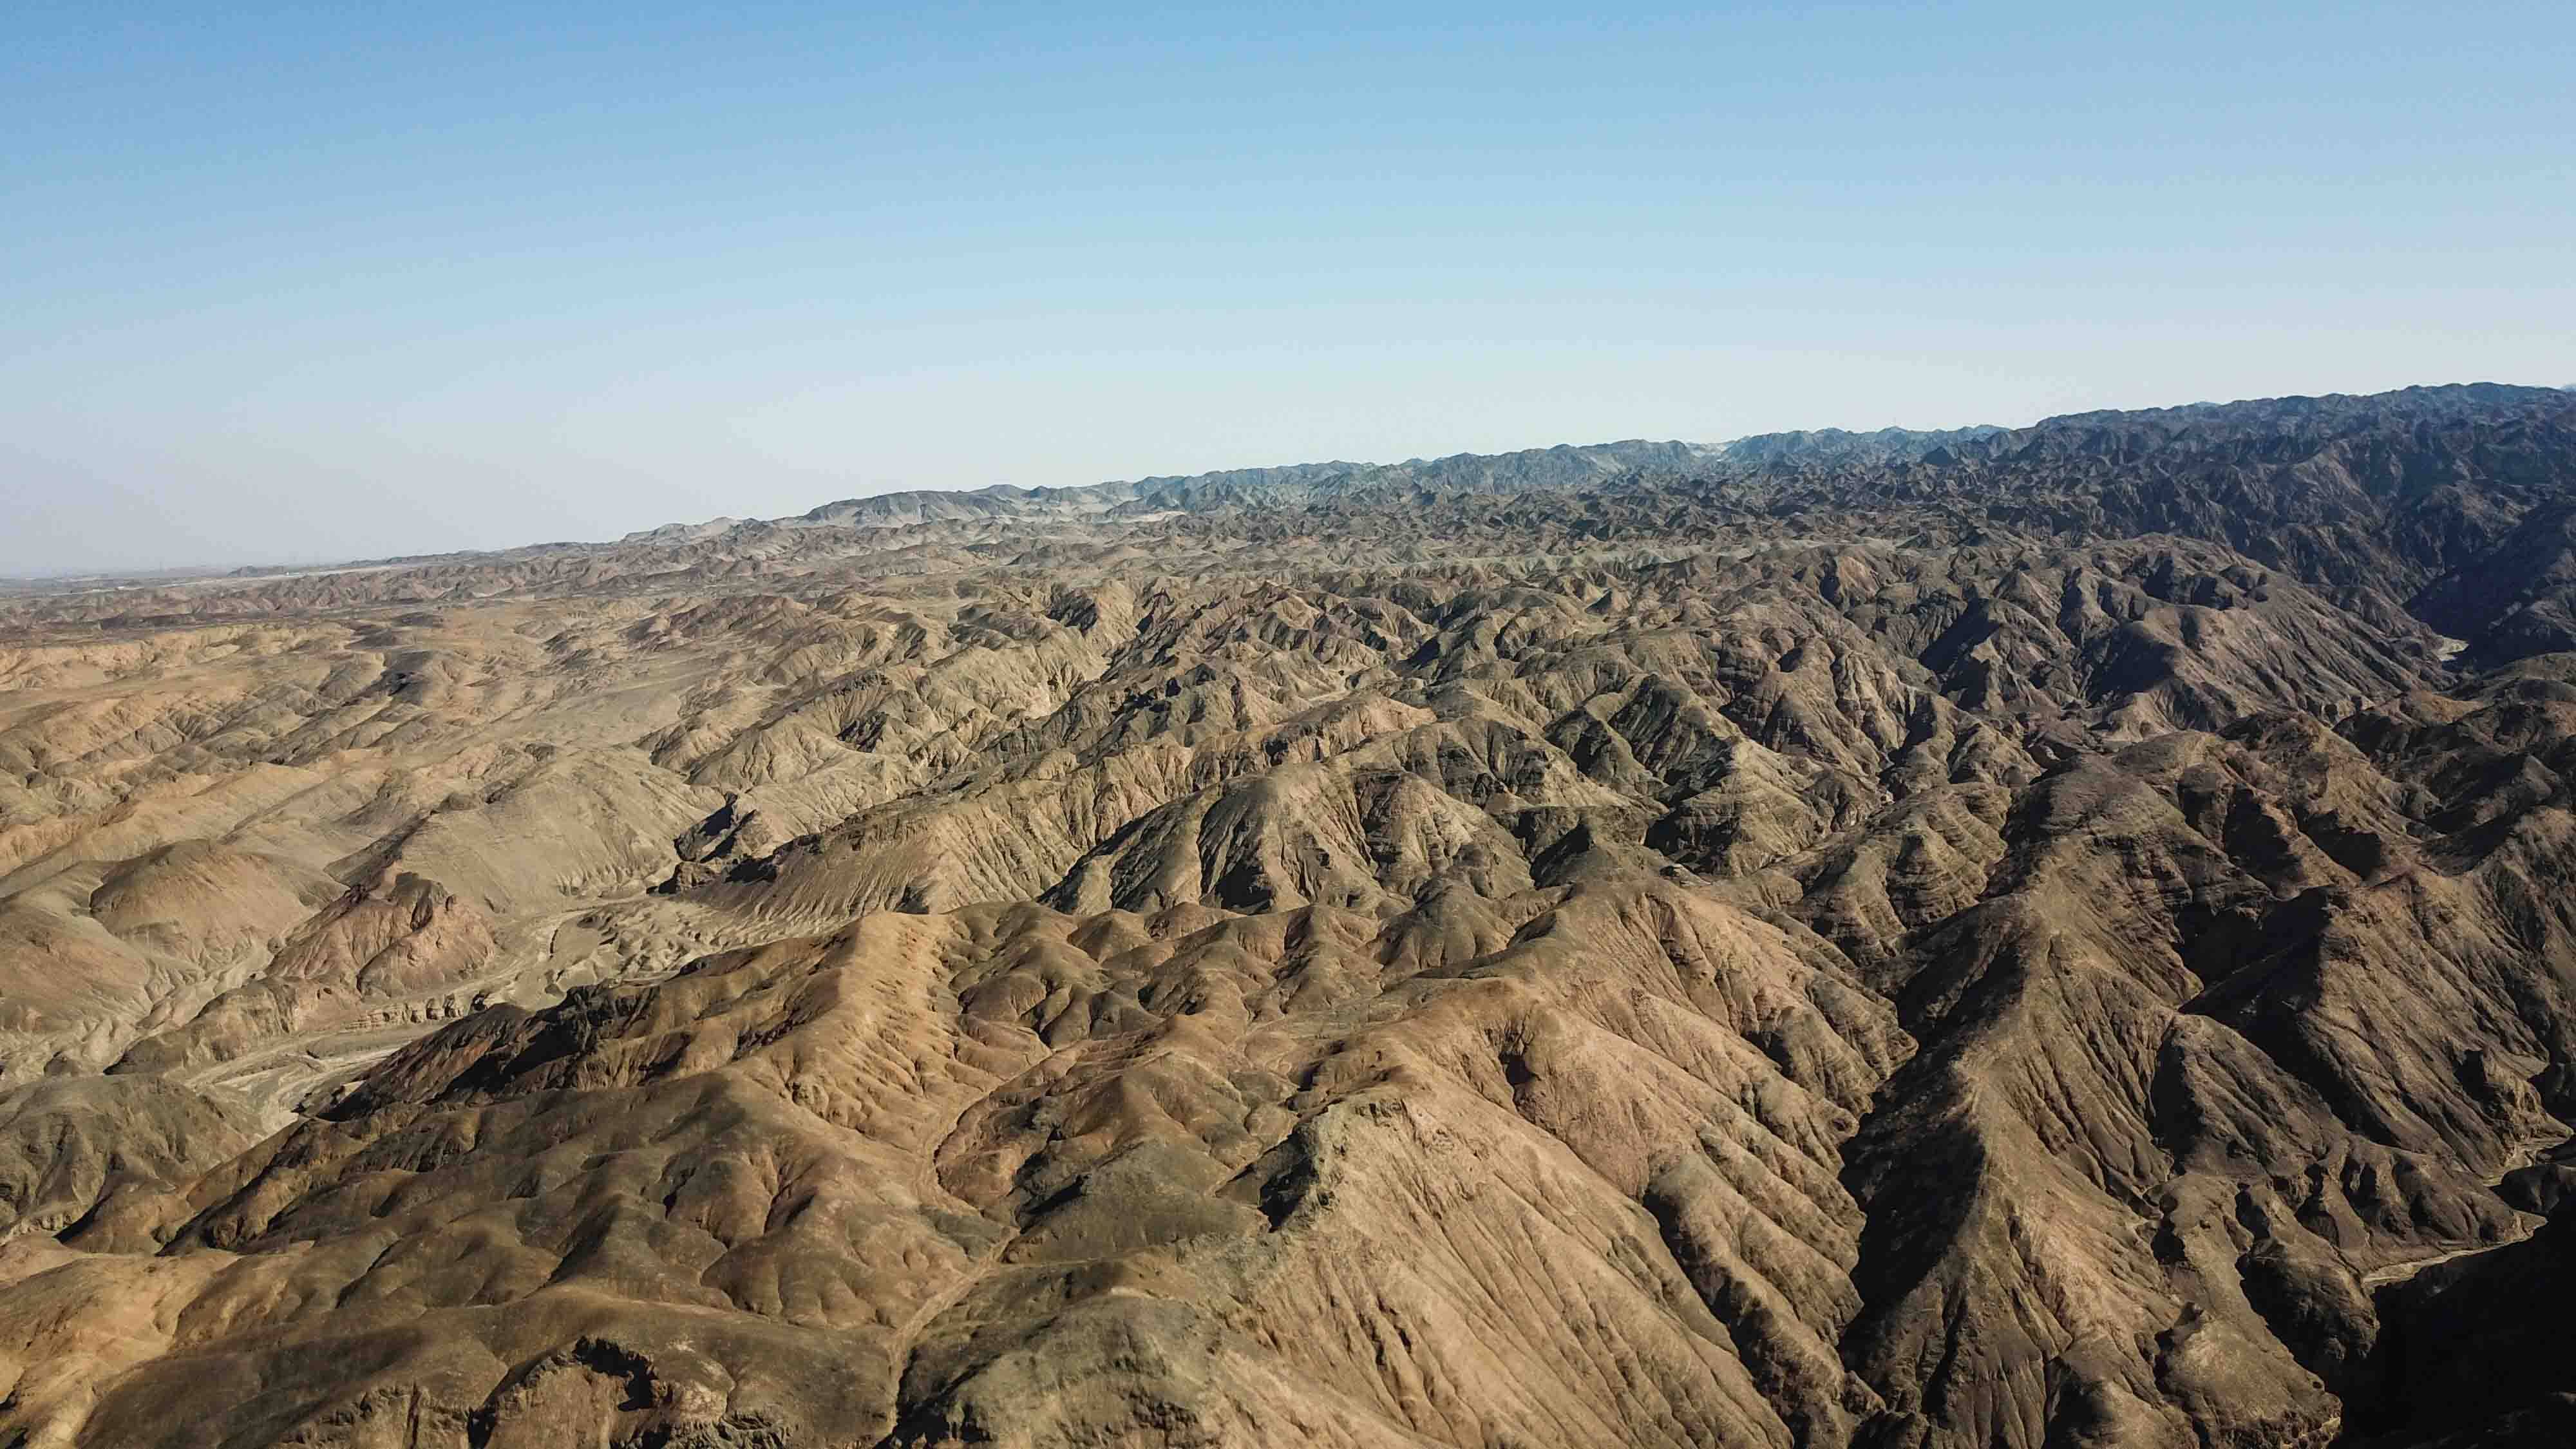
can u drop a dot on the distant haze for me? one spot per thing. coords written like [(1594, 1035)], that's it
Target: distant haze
[(312, 283)]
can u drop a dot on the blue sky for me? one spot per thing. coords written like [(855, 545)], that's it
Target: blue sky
[(305, 282)]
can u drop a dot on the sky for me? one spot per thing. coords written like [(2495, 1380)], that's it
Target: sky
[(299, 283)]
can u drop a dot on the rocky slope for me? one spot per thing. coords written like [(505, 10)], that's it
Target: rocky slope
[(1910, 941)]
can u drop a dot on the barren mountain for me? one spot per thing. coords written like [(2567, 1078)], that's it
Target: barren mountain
[(2062, 936)]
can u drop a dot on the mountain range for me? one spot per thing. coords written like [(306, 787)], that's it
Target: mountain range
[(2053, 936)]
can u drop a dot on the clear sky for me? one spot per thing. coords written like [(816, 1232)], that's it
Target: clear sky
[(297, 282)]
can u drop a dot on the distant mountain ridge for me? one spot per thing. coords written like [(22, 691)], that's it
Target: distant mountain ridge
[(1565, 465), (2055, 472), (2279, 423)]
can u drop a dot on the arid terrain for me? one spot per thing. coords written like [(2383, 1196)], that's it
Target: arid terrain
[(2062, 936)]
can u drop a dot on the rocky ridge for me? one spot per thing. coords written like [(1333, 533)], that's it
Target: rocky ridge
[(2023, 938)]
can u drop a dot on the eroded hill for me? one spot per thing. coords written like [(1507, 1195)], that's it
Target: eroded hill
[(2048, 937)]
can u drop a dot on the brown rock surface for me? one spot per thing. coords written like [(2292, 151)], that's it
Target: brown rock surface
[(1913, 942)]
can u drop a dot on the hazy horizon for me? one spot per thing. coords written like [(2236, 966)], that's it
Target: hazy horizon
[(188, 566), (307, 287)]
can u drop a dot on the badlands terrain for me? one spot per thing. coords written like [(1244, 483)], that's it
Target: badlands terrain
[(2061, 936)]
